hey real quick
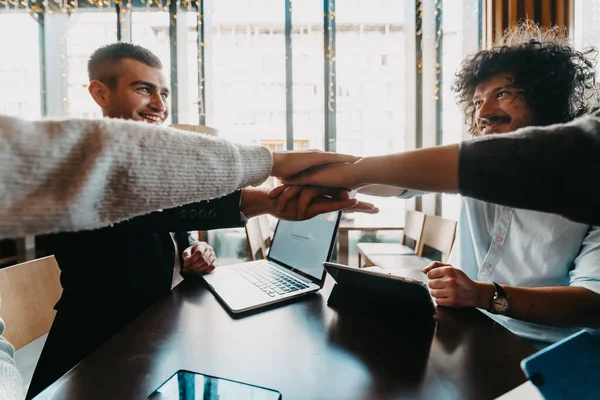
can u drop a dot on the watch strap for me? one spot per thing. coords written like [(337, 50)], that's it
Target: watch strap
[(499, 290)]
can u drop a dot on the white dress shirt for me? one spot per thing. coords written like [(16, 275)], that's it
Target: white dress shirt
[(526, 248)]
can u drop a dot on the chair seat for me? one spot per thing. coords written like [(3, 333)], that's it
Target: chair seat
[(402, 261), (371, 249)]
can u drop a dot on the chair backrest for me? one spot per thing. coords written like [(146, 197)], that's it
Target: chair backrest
[(413, 227), (196, 128), (29, 292), (256, 246), (266, 233), (438, 234)]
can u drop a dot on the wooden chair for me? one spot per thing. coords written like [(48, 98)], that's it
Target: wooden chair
[(256, 246), (266, 233), (436, 243), (29, 292), (413, 229), (438, 237)]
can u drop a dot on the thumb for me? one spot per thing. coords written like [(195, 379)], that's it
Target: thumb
[(187, 253)]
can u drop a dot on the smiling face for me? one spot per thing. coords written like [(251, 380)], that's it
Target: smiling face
[(140, 93), (500, 106)]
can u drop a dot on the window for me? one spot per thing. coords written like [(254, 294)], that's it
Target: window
[(86, 31), (460, 27), (191, 105), (587, 25), (150, 29), (20, 72), (246, 69), (307, 64), (279, 145), (370, 115)]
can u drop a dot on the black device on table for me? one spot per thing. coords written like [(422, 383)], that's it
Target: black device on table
[(399, 292)]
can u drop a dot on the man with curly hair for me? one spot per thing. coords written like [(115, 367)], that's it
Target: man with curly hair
[(537, 274)]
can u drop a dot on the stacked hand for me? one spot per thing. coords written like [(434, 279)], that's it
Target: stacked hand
[(319, 182)]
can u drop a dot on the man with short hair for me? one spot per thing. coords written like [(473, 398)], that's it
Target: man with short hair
[(110, 275)]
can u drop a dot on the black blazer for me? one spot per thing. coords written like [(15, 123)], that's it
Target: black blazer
[(110, 275)]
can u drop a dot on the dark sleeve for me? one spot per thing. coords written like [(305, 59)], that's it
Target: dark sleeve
[(223, 212), (553, 169)]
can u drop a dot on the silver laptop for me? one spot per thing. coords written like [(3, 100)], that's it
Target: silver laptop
[(293, 268)]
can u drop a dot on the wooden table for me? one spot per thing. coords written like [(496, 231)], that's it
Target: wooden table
[(306, 350)]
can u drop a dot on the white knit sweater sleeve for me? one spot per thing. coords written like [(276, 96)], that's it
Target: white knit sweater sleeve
[(11, 387), (80, 174)]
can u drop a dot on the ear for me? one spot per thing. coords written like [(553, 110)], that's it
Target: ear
[(100, 93)]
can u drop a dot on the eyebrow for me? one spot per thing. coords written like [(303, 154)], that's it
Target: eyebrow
[(150, 85), (496, 90)]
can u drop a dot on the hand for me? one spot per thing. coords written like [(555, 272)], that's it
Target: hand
[(304, 196), (337, 175), (288, 163), (199, 258), (451, 287), (256, 201)]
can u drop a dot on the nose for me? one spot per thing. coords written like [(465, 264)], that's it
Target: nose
[(485, 110), (158, 103)]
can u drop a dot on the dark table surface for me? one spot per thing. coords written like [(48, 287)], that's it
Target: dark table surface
[(306, 350)]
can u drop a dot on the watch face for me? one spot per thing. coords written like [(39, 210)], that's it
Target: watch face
[(500, 304)]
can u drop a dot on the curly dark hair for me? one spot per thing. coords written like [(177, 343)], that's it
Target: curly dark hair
[(558, 82)]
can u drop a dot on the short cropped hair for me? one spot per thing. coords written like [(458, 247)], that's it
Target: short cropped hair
[(558, 82), (102, 62)]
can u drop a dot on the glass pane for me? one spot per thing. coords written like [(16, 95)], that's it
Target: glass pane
[(189, 111), (370, 65), (456, 19), (247, 70), (452, 55), (587, 25), (307, 51), (86, 31), (150, 29), (20, 73)]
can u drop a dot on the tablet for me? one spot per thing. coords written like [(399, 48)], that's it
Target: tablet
[(567, 369), (188, 385), (389, 290)]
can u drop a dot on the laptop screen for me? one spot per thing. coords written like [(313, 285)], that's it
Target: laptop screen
[(305, 245)]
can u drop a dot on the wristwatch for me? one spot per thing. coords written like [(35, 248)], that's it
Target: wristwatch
[(499, 303)]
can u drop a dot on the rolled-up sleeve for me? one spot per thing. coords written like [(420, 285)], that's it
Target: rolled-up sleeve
[(586, 273), (409, 194)]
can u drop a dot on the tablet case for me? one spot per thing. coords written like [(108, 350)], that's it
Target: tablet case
[(378, 294), (567, 369)]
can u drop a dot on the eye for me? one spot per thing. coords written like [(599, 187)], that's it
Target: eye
[(477, 103), (504, 93), (143, 89), (164, 95)]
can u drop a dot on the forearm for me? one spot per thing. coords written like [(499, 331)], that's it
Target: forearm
[(558, 306), (220, 213), (255, 201), (432, 169), (541, 168), (80, 174)]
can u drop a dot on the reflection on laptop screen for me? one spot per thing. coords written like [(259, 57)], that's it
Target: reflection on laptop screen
[(304, 245)]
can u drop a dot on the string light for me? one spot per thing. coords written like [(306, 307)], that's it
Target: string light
[(331, 56), (201, 84)]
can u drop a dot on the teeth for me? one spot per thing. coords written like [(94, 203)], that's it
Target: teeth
[(152, 118)]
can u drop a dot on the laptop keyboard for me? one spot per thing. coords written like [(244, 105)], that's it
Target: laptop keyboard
[(269, 279)]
